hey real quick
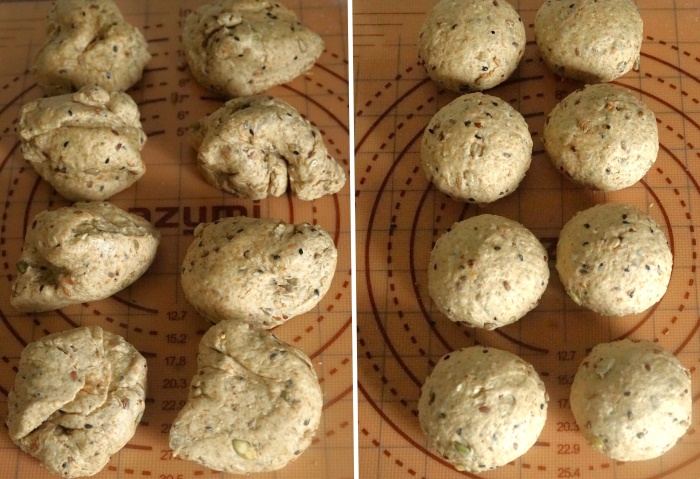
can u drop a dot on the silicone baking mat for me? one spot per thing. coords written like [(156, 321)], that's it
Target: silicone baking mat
[(152, 314), (399, 216)]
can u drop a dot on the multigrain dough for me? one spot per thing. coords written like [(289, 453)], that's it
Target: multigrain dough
[(487, 271), (254, 146), (631, 400), (254, 404), (591, 41), (614, 259), (77, 399), (602, 137), (262, 271), (242, 47), (89, 43), (471, 45), (85, 252), (86, 144), (482, 408), (477, 148)]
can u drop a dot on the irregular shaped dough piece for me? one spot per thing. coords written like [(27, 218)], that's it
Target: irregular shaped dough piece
[(631, 399), (487, 271), (89, 43), (249, 146), (471, 45), (591, 41), (482, 408), (262, 271), (86, 144), (85, 252), (77, 399), (614, 259), (242, 47), (254, 404), (602, 137), (477, 148)]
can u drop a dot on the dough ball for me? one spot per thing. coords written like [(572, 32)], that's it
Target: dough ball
[(476, 148), (471, 45), (591, 41), (487, 271), (253, 146), (77, 399), (614, 259), (631, 399), (482, 408), (254, 404), (262, 271), (602, 137), (82, 253), (86, 144), (242, 47), (89, 43)]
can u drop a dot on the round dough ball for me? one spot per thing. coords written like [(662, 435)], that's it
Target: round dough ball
[(482, 408), (614, 259), (471, 45), (77, 400), (591, 41), (487, 271), (602, 137), (254, 404), (242, 47), (477, 148), (262, 271), (631, 399)]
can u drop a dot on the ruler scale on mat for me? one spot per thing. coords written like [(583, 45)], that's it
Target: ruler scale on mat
[(399, 216), (152, 314)]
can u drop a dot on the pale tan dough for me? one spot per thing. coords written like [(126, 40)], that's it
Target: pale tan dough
[(614, 259), (254, 404), (592, 41), (77, 400), (471, 45), (482, 408), (631, 400), (89, 43), (255, 146), (262, 271), (243, 47), (81, 253)]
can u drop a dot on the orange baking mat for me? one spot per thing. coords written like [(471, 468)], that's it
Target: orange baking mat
[(152, 314), (399, 216)]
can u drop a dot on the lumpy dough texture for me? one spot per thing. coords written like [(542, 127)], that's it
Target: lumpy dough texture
[(482, 408), (476, 149), (614, 259), (631, 400), (487, 271), (254, 404)]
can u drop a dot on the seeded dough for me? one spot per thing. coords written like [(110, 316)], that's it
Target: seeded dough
[(242, 47), (85, 252), (89, 43), (591, 41), (262, 271), (86, 144), (471, 45), (602, 137), (254, 404), (631, 400), (482, 408), (77, 399), (614, 259), (487, 271), (253, 146), (477, 148)]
